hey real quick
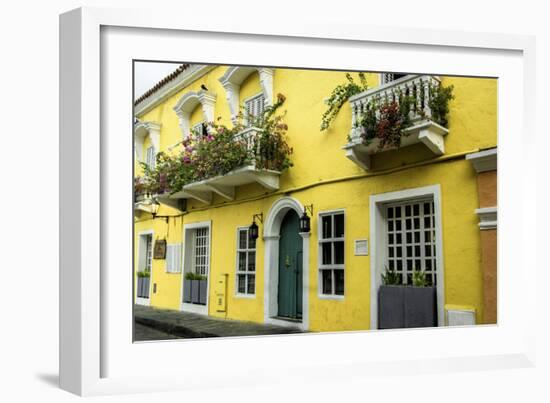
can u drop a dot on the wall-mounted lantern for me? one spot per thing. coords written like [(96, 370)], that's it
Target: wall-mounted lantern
[(155, 205), (253, 230), (305, 221)]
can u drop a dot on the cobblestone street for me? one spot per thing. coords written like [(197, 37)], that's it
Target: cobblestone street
[(146, 333)]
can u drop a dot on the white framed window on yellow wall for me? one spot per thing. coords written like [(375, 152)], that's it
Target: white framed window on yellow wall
[(254, 107), (331, 254), (150, 157), (246, 263), (199, 129)]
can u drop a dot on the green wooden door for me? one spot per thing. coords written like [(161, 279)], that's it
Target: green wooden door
[(290, 268)]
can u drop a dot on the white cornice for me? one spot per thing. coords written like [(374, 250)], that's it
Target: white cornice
[(189, 75), (142, 130), (234, 77), (187, 103), (487, 218), (484, 161)]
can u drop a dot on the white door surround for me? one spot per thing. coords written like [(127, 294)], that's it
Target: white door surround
[(378, 243), (187, 255), (141, 251), (272, 229)]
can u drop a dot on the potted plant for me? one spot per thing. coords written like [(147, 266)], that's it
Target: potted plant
[(406, 306)]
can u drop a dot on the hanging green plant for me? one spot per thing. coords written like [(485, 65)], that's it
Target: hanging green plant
[(339, 97), (439, 103)]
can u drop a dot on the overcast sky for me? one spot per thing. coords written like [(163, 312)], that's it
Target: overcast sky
[(147, 74)]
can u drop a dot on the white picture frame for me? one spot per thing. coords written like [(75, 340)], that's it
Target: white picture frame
[(96, 355)]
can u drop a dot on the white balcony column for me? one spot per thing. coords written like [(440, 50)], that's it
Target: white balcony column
[(232, 97), (183, 118), (208, 102)]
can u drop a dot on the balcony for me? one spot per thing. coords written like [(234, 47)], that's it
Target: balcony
[(142, 203), (224, 185), (423, 129)]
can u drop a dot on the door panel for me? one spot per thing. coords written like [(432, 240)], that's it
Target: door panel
[(290, 268)]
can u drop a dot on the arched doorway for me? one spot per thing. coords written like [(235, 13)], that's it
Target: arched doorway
[(286, 280), (289, 296)]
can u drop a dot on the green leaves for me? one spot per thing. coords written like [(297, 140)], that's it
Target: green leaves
[(339, 96), (220, 150), (194, 276), (439, 103), (419, 278), (389, 119), (391, 277)]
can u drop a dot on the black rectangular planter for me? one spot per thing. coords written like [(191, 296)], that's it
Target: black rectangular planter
[(195, 291), (406, 307), (391, 307), (143, 287), (202, 292), (187, 291), (420, 307)]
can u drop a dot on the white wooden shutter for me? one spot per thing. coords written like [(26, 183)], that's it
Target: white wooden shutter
[(151, 157), (254, 107), (173, 258)]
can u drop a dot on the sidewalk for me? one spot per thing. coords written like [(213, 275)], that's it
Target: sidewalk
[(191, 325)]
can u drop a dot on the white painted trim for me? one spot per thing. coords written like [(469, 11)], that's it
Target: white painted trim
[(320, 294), (186, 77), (272, 228), (484, 161), (249, 99), (236, 292), (187, 104), (487, 218), (144, 301), (378, 250), (141, 131), (194, 308), (234, 77)]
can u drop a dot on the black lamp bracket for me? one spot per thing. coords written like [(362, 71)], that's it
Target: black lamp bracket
[(260, 217)]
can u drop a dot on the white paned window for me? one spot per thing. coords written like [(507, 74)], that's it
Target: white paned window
[(254, 107), (150, 157), (246, 263), (199, 129), (173, 258), (148, 253), (388, 77), (411, 239), (331, 253), (201, 251)]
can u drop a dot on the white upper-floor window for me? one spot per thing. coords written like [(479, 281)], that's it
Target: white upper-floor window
[(150, 157), (389, 77), (254, 108)]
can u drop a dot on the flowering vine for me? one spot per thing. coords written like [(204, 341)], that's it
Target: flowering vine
[(220, 150)]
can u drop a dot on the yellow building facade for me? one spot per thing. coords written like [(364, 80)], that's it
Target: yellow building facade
[(423, 205)]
